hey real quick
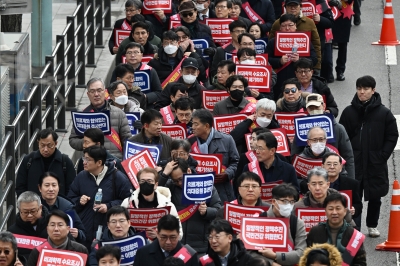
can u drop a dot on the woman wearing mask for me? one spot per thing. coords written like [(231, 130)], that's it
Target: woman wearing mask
[(118, 92)]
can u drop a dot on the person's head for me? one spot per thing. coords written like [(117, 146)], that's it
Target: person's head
[(140, 32), (29, 206), (287, 23), (236, 28), (8, 249), (220, 236), (152, 122), (202, 122), (202, 5), (148, 181), (223, 8), (283, 198), (93, 136), (304, 70), (180, 148), (108, 255), (132, 7), (94, 159), (172, 261), (137, 18), (236, 8), (318, 257), (183, 33), (96, 92), (293, 7), (118, 221), (256, 131), (178, 90), (265, 110), (335, 205), (247, 40), (235, 85), (57, 226), (291, 89), (316, 139), (125, 73), (256, 30), (332, 163), (47, 142), (321, 255), (315, 104), (118, 91), (134, 53), (365, 88), (170, 43), (184, 109), (318, 183), (259, 261), (190, 70), (179, 170), (249, 185), (266, 147), (188, 12), (246, 56), (49, 186), (226, 68), (168, 232)]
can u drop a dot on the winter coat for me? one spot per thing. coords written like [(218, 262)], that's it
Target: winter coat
[(238, 255), (118, 122), (281, 108), (321, 234), (335, 258), (136, 95), (342, 27), (195, 228), (116, 187), (163, 140), (32, 167), (132, 105), (325, 22), (149, 49), (264, 9), (373, 134), (226, 107), (199, 31), (304, 24), (224, 144), (67, 206)]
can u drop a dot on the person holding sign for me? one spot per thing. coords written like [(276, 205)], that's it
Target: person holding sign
[(125, 73), (118, 91), (167, 244), (269, 166), (57, 229), (284, 196), (9, 252), (338, 232), (207, 140), (108, 255)]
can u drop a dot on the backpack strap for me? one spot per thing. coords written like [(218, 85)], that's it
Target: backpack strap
[(293, 226), (64, 162)]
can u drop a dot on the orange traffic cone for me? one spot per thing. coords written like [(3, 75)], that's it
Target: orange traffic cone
[(388, 31), (393, 241)]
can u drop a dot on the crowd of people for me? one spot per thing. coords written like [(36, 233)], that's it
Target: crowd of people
[(59, 203)]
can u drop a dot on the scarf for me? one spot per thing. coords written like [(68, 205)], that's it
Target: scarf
[(293, 106), (62, 246), (203, 147)]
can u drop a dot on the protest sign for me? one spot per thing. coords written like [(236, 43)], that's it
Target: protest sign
[(311, 217), (147, 58), (132, 117), (149, 6), (286, 120), (131, 148), (258, 77), (248, 140), (261, 45), (308, 8), (175, 131), (283, 145), (210, 98), (51, 257), (304, 124), (128, 246), (284, 42), (86, 120), (197, 188), (348, 194), (228, 56), (142, 80), (220, 30), (266, 189), (28, 242), (336, 12), (175, 23), (226, 123), (136, 163), (233, 213), (142, 218), (208, 163), (261, 59), (121, 35), (200, 45), (303, 165)]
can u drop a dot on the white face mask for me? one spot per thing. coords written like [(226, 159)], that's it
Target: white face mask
[(170, 49), (318, 147), (285, 209), (200, 7), (316, 112), (263, 121), (189, 79), (121, 100), (248, 62)]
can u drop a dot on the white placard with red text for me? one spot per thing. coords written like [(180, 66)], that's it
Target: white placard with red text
[(137, 162), (261, 59), (121, 35), (258, 77), (219, 30), (283, 144), (311, 217), (175, 131), (233, 213), (286, 121), (207, 163), (284, 43), (303, 165), (210, 98), (226, 123), (51, 257), (149, 6)]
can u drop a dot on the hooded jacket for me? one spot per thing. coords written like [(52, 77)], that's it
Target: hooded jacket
[(280, 106), (335, 258), (238, 255)]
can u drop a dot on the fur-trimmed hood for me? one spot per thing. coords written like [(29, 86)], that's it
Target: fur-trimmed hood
[(335, 258)]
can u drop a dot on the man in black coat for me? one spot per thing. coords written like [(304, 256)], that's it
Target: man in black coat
[(373, 133), (167, 244)]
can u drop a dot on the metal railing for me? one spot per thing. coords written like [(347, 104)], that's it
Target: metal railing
[(55, 88)]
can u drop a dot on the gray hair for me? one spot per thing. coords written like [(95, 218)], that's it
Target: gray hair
[(8, 237), (308, 134), (93, 80), (319, 171), (266, 104), (28, 196), (135, 3), (178, 143)]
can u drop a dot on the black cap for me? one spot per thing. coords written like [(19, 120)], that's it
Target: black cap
[(292, 1), (190, 62)]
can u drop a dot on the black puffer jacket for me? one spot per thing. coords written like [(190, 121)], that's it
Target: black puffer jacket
[(238, 255)]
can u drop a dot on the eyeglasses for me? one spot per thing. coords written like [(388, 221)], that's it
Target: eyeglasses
[(239, 31), (95, 91), (287, 26), (216, 237), (115, 222), (180, 154), (260, 148), (54, 225), (184, 115), (31, 212), (49, 146), (172, 238), (149, 181), (332, 164), (6, 251), (87, 159), (133, 53), (177, 181), (290, 90), (188, 14), (220, 7), (130, 10), (247, 187), (303, 71), (317, 140), (285, 201)]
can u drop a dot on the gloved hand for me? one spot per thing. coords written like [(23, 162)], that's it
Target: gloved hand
[(209, 51), (220, 178), (336, 3)]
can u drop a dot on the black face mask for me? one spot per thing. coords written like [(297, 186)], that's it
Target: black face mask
[(146, 188), (237, 95)]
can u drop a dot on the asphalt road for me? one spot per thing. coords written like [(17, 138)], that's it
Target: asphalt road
[(366, 59)]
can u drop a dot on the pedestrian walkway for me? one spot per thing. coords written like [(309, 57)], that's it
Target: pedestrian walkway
[(104, 60)]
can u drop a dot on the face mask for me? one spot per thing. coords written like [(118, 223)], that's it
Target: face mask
[(237, 95), (146, 189), (316, 112), (170, 49), (248, 62), (318, 147), (121, 100), (200, 7), (263, 121), (189, 79), (285, 209)]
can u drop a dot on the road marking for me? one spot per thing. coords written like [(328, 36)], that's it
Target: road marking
[(398, 142), (390, 55)]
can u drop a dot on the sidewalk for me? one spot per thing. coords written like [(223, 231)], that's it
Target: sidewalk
[(104, 60)]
